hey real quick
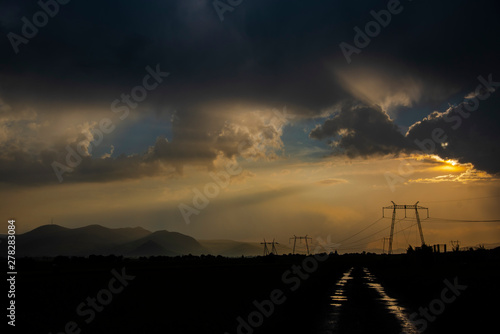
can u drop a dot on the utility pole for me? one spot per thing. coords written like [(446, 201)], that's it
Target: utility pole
[(395, 207), (455, 245)]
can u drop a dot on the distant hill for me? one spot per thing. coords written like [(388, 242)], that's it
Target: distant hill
[(163, 243), (54, 240), (149, 248)]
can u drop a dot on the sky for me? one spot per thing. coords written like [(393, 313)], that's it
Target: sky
[(246, 120)]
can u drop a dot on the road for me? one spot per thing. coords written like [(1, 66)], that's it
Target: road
[(360, 304)]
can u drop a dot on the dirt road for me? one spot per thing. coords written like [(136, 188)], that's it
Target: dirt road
[(360, 304)]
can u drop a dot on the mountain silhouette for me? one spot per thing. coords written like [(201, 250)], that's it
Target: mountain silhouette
[(150, 248), (54, 240), (163, 243), (231, 248)]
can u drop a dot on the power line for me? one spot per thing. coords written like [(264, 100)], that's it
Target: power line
[(385, 228), (355, 234), (355, 244)]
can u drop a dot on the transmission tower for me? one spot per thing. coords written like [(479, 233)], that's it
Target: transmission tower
[(395, 207), (273, 249), (455, 245), (300, 240), (266, 250)]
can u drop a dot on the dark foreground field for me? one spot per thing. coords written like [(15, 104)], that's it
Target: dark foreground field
[(277, 294)]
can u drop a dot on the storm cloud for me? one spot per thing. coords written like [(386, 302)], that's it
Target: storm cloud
[(265, 54), (362, 131), (466, 132)]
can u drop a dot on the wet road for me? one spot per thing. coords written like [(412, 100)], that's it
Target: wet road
[(360, 304)]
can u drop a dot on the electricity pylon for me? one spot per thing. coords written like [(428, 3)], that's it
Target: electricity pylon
[(395, 207), (266, 250), (273, 247), (455, 245), (300, 240)]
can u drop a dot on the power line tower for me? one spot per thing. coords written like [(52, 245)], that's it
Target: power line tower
[(300, 241), (273, 249), (455, 245), (266, 250), (395, 207)]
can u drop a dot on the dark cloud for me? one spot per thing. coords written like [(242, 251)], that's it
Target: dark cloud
[(362, 131), (468, 132), (20, 167), (278, 52)]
